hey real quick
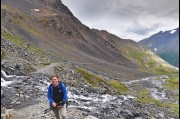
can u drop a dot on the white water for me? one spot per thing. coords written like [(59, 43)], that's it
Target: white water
[(152, 78), (107, 97), (157, 82), (5, 83), (5, 77), (3, 74), (98, 99), (48, 83), (130, 82), (82, 100), (157, 94), (83, 107), (76, 97)]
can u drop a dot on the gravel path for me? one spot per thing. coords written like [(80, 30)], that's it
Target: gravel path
[(36, 112), (49, 69)]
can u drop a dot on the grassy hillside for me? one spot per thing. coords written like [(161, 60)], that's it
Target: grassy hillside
[(63, 35), (145, 59), (149, 62)]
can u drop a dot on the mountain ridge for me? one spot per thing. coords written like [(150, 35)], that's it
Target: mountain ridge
[(165, 44), (52, 29), (106, 76)]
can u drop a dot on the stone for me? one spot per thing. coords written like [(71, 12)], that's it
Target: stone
[(90, 117), (19, 66)]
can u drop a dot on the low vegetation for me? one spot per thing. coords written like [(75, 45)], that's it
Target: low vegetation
[(12, 38), (8, 117), (148, 62), (173, 82), (3, 54), (95, 81), (16, 40), (118, 87), (143, 96)]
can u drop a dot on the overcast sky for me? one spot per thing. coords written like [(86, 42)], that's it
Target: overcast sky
[(129, 19)]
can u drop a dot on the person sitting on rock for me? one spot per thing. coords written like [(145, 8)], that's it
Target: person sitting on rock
[(57, 93)]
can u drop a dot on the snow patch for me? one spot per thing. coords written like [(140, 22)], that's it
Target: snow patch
[(172, 31), (36, 10)]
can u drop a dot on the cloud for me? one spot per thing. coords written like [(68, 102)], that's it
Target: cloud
[(132, 19), (140, 29)]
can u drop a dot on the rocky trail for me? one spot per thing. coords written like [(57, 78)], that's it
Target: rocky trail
[(107, 77), (47, 69), (27, 96)]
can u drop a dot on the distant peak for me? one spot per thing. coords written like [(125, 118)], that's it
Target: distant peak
[(172, 31), (58, 5)]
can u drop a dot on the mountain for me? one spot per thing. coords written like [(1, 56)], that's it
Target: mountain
[(107, 77), (165, 44), (51, 27)]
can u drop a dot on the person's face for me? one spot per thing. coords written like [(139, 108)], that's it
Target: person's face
[(54, 81)]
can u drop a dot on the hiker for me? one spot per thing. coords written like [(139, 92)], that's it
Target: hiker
[(57, 93)]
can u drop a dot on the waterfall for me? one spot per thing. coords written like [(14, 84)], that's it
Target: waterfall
[(4, 82), (7, 79)]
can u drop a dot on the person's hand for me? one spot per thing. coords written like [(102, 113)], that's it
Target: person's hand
[(63, 102), (58, 106), (54, 104)]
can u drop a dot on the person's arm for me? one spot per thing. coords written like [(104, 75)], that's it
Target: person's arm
[(49, 95), (64, 92)]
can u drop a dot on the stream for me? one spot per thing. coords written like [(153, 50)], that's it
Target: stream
[(103, 106)]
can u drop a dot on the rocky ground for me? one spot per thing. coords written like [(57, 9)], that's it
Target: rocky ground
[(27, 96), (93, 84), (25, 78)]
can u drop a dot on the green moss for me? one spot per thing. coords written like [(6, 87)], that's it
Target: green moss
[(43, 20), (7, 8), (174, 107), (146, 60), (46, 63), (91, 78), (3, 54), (37, 50), (118, 87), (9, 117), (173, 82), (17, 41), (143, 97), (95, 81), (137, 56), (12, 38), (176, 97)]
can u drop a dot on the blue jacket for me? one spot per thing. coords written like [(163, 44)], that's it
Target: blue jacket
[(50, 93)]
